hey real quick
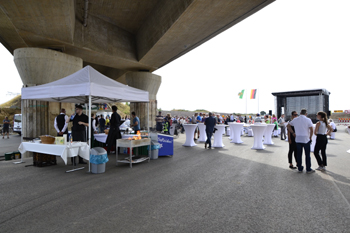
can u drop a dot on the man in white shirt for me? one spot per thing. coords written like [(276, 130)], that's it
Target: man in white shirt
[(331, 123), (61, 124), (303, 134)]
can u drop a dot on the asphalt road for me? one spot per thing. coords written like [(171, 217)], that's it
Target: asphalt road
[(234, 189), (9, 145)]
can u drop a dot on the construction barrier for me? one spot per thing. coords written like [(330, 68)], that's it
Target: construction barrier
[(343, 120)]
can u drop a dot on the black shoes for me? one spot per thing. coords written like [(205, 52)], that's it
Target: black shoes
[(205, 145), (292, 167)]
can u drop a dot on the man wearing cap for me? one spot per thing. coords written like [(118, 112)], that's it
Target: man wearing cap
[(258, 118), (80, 120)]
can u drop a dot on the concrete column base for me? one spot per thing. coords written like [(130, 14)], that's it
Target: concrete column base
[(148, 82), (39, 66)]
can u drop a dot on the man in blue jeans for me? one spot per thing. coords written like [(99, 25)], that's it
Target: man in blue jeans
[(303, 134), (210, 123)]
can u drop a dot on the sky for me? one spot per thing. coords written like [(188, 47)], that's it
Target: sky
[(289, 45)]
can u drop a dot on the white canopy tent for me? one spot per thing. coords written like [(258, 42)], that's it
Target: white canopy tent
[(86, 86)]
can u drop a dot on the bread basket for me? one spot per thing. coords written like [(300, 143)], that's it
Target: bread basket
[(47, 139)]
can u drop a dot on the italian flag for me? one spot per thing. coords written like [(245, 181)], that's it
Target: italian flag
[(241, 94)]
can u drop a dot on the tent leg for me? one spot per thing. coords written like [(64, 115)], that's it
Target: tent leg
[(89, 135), (149, 133)]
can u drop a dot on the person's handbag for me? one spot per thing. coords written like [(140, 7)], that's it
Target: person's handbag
[(335, 130)]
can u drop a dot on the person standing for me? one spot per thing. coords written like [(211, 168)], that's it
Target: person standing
[(6, 127), (281, 122), (61, 124), (334, 129), (114, 131), (258, 118), (136, 123), (159, 122), (303, 131), (107, 121), (80, 120), (199, 120), (102, 123), (322, 129), (194, 121), (292, 144), (210, 123)]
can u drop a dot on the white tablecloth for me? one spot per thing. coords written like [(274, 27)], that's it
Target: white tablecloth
[(101, 137), (189, 129), (203, 134), (236, 132), (258, 131), (218, 135), (231, 130), (65, 151), (268, 134)]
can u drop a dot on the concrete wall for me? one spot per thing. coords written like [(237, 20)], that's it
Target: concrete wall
[(148, 82), (38, 66)]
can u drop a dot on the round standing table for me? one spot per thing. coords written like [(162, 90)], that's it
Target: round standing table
[(189, 129), (231, 130), (258, 131), (268, 134), (203, 134), (236, 131), (218, 136)]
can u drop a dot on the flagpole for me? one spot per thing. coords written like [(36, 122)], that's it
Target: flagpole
[(246, 104), (258, 100)]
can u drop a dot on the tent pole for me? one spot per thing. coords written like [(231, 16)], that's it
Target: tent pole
[(89, 130), (149, 133)]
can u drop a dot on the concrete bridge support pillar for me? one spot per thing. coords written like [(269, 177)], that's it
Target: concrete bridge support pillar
[(38, 66), (148, 82)]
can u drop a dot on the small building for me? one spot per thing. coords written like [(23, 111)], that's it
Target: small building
[(313, 100)]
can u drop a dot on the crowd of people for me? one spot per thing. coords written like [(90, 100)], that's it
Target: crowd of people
[(300, 130), (80, 125)]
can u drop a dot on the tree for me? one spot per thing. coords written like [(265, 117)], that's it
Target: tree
[(262, 113)]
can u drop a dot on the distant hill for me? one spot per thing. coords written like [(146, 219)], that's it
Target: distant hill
[(13, 103)]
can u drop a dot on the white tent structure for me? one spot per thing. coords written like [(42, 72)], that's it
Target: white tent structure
[(86, 86)]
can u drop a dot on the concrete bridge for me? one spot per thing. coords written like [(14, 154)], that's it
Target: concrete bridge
[(125, 40)]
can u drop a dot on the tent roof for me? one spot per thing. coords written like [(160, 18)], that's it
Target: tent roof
[(77, 87)]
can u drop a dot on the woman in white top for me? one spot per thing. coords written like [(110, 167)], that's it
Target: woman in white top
[(322, 129)]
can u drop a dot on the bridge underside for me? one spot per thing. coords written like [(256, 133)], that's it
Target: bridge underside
[(121, 35), (125, 40)]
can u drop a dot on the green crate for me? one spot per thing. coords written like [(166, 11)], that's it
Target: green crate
[(9, 156), (142, 150), (17, 154)]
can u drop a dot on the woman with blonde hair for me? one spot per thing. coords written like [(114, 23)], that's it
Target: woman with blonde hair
[(322, 129)]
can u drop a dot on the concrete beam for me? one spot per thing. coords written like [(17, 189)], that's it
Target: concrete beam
[(159, 21), (51, 19), (198, 23)]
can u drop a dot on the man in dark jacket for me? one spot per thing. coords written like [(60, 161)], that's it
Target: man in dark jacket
[(114, 131), (102, 123), (210, 123), (80, 121)]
